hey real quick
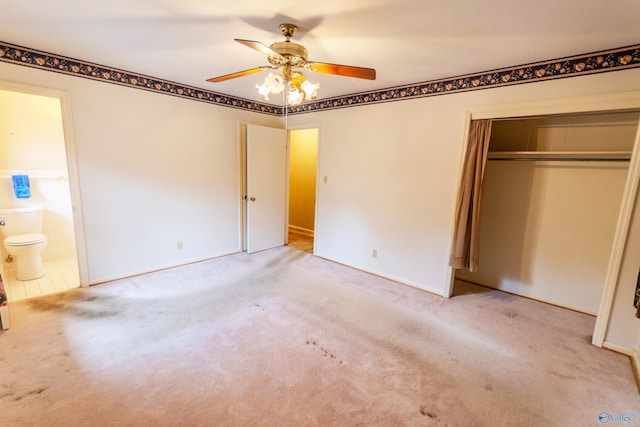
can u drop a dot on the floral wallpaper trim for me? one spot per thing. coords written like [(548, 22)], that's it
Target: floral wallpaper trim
[(61, 64), (591, 63), (597, 62)]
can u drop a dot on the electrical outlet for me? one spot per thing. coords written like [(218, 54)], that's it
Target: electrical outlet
[(374, 253), (179, 245)]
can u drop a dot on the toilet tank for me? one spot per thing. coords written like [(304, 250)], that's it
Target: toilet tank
[(20, 221)]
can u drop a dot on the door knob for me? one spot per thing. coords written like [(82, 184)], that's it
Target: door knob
[(253, 199)]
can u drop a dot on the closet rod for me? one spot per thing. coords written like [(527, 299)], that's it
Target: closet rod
[(584, 156), (558, 159)]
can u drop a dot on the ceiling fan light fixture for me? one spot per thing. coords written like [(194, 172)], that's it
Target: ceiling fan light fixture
[(288, 56), (301, 89), (295, 96), (263, 90), (273, 83), (310, 89)]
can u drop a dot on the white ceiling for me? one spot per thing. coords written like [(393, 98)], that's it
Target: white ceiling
[(406, 41)]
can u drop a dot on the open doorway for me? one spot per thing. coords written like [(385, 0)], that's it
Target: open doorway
[(33, 144), (303, 160)]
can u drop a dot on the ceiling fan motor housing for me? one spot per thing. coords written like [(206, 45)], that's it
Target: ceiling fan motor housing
[(289, 56), (292, 54)]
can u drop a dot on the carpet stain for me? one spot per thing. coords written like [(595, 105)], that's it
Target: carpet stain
[(563, 376), (94, 314), (62, 298), (325, 352), (425, 412), (487, 386), (31, 393), (258, 306), (75, 302)]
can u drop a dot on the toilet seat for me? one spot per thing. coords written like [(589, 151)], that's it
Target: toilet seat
[(25, 239)]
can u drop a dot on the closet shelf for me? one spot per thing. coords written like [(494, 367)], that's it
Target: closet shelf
[(604, 156)]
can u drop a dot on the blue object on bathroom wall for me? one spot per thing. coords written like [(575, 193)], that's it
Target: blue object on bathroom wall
[(21, 186)]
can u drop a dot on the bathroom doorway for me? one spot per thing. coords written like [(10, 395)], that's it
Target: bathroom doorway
[(33, 143), (303, 160)]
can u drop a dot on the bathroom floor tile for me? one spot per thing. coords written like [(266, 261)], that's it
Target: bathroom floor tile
[(61, 275)]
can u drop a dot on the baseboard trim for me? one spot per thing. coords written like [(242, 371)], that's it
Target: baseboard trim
[(635, 364), (301, 231), (161, 267), (633, 356), (385, 276), (497, 288)]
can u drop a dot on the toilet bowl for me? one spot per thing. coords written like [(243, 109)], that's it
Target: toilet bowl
[(23, 241), (26, 251)]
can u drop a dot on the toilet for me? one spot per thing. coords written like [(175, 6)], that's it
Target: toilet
[(21, 230)]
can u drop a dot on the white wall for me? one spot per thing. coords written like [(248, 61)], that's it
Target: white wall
[(393, 174), (391, 179), (154, 170), (32, 143)]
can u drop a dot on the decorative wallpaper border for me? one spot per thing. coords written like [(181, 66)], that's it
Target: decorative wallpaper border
[(591, 63), (61, 64), (597, 62)]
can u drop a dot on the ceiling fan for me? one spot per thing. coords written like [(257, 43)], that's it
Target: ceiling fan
[(290, 57)]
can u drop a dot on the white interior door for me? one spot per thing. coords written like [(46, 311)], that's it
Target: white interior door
[(266, 187)]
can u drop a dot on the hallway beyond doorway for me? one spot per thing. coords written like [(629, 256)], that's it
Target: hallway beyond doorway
[(300, 242)]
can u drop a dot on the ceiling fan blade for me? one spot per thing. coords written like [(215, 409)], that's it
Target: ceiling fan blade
[(238, 74), (342, 70), (260, 47)]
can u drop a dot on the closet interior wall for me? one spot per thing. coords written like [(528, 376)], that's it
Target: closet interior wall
[(551, 197)]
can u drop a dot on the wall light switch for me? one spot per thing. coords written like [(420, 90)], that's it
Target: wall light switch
[(326, 179)]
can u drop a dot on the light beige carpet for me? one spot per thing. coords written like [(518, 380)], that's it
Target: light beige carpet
[(281, 338)]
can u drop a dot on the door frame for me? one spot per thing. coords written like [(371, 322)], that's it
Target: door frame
[(72, 166), (302, 126), (629, 101)]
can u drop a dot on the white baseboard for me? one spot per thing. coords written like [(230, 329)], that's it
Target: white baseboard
[(469, 279), (635, 363), (633, 355), (618, 348), (161, 267), (385, 276)]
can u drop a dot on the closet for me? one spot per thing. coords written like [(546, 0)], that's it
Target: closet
[(551, 197)]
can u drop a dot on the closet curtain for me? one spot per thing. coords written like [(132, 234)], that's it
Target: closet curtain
[(464, 253)]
